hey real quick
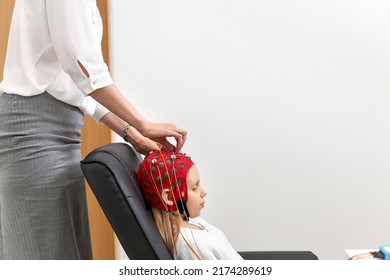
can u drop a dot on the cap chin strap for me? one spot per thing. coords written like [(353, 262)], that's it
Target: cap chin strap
[(182, 208)]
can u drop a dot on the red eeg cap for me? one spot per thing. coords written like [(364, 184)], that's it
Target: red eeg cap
[(166, 170)]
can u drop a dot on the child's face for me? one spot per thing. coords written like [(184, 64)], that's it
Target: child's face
[(195, 192)]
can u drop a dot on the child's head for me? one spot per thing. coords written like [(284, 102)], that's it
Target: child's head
[(170, 181)]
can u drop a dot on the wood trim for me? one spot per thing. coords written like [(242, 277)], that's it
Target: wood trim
[(102, 235), (93, 136), (6, 8)]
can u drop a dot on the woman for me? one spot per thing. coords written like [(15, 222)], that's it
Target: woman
[(54, 72)]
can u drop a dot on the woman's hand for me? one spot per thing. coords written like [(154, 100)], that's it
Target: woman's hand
[(111, 98), (142, 144), (160, 132)]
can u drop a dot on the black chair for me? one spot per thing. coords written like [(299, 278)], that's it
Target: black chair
[(111, 173)]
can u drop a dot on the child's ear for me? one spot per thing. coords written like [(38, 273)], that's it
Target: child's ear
[(166, 196)]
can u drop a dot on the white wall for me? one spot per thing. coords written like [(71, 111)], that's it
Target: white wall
[(287, 108)]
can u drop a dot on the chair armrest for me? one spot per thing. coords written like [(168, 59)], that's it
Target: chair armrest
[(278, 255)]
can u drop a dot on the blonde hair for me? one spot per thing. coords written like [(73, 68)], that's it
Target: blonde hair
[(168, 224)]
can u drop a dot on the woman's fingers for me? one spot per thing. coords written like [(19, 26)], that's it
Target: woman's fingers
[(181, 140), (180, 136), (142, 144), (160, 132), (167, 145)]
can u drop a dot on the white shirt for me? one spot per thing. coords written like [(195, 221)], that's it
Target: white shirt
[(48, 39), (209, 243)]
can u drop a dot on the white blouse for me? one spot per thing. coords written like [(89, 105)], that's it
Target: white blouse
[(48, 41)]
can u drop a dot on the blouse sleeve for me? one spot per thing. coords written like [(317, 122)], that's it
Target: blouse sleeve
[(93, 108), (75, 29)]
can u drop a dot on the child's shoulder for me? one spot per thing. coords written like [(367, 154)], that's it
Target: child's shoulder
[(210, 228), (206, 224), (200, 221)]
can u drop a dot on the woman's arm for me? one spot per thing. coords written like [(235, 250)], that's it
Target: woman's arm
[(111, 98), (75, 34), (142, 144)]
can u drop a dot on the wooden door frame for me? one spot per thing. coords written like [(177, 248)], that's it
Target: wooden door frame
[(6, 8), (95, 135)]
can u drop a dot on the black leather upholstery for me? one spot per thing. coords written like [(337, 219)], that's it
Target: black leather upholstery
[(110, 172)]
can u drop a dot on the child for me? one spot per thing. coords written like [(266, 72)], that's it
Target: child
[(171, 186)]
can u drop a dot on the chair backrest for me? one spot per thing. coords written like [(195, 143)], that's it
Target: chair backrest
[(111, 173)]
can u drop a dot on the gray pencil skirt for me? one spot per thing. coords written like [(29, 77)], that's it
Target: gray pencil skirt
[(43, 210)]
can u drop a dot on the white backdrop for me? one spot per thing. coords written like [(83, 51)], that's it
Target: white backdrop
[(287, 108)]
